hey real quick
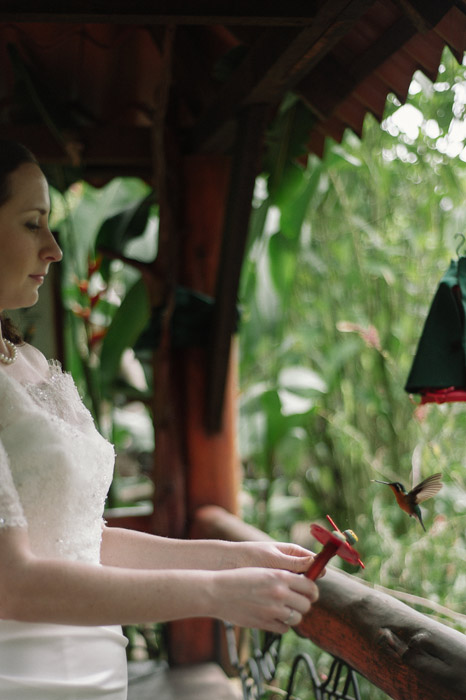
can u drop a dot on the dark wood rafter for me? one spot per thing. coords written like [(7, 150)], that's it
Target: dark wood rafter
[(251, 125), (394, 58), (100, 161), (451, 30), (314, 87), (424, 14), (273, 66), (210, 12), (347, 77), (192, 73)]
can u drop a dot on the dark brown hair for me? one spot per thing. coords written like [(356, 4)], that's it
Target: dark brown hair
[(12, 155)]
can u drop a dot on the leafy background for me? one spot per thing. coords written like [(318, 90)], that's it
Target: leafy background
[(345, 257)]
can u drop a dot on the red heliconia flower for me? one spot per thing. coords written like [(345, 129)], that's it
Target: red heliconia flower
[(93, 300), (94, 265), (83, 286), (97, 336), (81, 312)]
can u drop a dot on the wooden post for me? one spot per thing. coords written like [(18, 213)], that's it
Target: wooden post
[(216, 205), (212, 468), (169, 465), (213, 476)]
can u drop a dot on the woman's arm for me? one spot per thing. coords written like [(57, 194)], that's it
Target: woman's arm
[(67, 592), (138, 550)]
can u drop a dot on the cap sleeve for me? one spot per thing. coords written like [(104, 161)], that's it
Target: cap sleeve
[(11, 511)]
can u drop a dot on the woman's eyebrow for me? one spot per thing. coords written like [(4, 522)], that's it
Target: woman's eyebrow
[(41, 210)]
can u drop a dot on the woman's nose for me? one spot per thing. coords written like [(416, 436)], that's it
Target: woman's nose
[(52, 251)]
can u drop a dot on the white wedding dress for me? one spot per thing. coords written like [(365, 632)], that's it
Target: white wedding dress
[(55, 471)]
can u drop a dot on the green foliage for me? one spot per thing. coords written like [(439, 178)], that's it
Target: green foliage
[(128, 322), (345, 256), (106, 302), (107, 309)]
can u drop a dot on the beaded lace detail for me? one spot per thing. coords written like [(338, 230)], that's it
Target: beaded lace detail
[(55, 467), (61, 398)]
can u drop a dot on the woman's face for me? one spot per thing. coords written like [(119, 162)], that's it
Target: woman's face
[(27, 247)]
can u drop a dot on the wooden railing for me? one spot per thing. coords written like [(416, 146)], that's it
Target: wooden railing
[(401, 651)]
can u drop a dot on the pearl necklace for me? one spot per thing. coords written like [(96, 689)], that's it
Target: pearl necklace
[(9, 359)]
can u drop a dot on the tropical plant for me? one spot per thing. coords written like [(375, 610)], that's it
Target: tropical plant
[(108, 236), (344, 258)]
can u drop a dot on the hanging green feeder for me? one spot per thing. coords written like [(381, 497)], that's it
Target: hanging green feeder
[(438, 372)]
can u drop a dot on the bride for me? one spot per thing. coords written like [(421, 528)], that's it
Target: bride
[(68, 582)]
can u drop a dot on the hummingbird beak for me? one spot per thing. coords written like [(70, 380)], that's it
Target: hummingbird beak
[(381, 482)]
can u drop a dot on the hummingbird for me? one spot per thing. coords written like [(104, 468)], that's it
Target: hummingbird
[(409, 500)]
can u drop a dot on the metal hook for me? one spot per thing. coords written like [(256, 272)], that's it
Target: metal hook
[(461, 243)]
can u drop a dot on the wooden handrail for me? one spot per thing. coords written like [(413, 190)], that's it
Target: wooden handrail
[(405, 653)]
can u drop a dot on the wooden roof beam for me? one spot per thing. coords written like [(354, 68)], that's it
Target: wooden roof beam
[(397, 74), (424, 14), (205, 12), (452, 29), (274, 65), (314, 88), (103, 151), (323, 101)]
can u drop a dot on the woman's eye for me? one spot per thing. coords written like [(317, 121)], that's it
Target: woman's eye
[(32, 226)]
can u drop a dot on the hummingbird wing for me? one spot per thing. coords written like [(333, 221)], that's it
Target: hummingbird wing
[(426, 489)]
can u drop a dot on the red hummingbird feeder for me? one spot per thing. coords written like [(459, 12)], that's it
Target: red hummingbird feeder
[(336, 543)]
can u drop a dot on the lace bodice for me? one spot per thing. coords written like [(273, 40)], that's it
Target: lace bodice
[(55, 467)]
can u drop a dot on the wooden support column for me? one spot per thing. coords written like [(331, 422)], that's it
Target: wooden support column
[(251, 124), (217, 205), (212, 457), (212, 473), (169, 518)]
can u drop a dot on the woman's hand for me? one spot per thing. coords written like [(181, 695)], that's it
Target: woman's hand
[(274, 555), (263, 598)]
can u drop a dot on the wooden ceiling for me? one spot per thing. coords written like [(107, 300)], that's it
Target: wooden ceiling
[(86, 81), (130, 88)]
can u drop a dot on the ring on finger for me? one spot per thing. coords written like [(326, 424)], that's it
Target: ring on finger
[(290, 617)]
